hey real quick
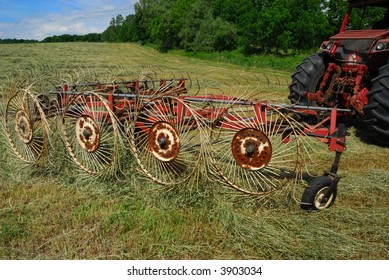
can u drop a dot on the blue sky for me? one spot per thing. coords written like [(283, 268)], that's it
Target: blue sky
[(38, 19)]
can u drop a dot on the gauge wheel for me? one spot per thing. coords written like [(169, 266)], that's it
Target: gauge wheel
[(319, 195)]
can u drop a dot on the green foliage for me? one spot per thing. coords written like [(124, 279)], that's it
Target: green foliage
[(290, 25), (236, 57), (16, 41), (91, 37), (201, 31), (121, 30), (365, 18), (208, 26), (251, 26)]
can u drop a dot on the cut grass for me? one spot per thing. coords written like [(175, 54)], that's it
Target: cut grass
[(54, 213), (271, 61)]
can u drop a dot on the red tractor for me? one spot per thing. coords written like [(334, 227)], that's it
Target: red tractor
[(351, 71)]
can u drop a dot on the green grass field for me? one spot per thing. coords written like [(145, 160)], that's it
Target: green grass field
[(54, 212)]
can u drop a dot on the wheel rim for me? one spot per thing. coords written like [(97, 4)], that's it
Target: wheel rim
[(26, 127), (87, 133), (164, 141), (90, 132), (321, 201), (166, 144), (23, 126), (255, 154), (251, 149)]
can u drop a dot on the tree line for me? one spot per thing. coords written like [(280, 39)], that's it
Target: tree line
[(91, 37), (17, 41), (251, 26)]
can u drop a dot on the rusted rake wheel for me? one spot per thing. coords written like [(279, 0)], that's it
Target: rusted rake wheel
[(26, 127), (255, 149), (166, 141), (90, 132)]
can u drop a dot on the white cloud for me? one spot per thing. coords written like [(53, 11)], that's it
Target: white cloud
[(85, 17)]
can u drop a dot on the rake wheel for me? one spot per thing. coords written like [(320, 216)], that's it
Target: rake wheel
[(165, 141), (255, 149), (26, 127), (90, 132)]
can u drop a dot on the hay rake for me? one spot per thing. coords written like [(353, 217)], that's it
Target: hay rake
[(255, 147)]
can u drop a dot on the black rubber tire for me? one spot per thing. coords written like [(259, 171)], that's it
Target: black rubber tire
[(376, 116), (306, 78), (318, 186)]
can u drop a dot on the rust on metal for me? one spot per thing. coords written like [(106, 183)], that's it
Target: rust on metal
[(88, 133), (23, 126), (251, 149), (164, 141)]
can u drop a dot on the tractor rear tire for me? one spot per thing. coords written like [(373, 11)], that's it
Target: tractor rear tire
[(307, 78), (377, 110)]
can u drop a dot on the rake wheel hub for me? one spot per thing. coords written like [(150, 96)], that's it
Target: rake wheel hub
[(164, 141), (23, 126), (251, 149), (88, 134)]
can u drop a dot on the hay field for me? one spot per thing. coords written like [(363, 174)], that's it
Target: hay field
[(54, 213)]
